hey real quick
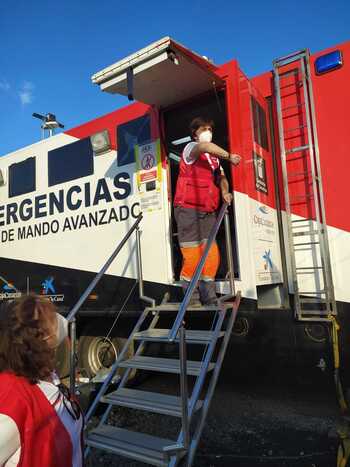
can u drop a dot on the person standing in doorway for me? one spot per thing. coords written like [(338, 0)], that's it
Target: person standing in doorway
[(200, 184)]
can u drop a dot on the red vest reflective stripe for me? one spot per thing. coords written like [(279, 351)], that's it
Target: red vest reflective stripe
[(196, 186), (44, 439)]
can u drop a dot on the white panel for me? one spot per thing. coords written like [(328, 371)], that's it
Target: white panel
[(88, 247), (266, 244), (247, 282), (163, 74), (339, 246)]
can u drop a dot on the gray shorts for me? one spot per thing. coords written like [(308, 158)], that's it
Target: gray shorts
[(193, 227)]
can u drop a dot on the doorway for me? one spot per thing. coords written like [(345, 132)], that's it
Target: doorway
[(175, 135)]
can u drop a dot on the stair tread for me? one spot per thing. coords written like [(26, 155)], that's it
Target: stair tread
[(175, 307), (166, 365), (314, 312), (158, 334), (146, 400), (134, 445)]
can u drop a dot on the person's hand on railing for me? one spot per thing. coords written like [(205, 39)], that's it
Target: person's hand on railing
[(227, 197)]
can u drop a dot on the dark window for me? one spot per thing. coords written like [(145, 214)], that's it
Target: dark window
[(129, 134), (22, 177), (72, 161), (260, 125)]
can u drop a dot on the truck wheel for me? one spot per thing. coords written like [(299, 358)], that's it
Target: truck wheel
[(98, 352), (63, 359)]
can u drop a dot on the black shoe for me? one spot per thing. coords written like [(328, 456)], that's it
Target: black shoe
[(194, 301), (207, 293)]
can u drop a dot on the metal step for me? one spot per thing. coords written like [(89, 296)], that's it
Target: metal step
[(148, 401), (310, 232), (306, 244), (314, 312), (295, 106), (297, 149), (165, 365), (137, 446), (313, 319), (161, 335), (314, 292), (302, 220), (309, 267), (176, 306), (316, 300)]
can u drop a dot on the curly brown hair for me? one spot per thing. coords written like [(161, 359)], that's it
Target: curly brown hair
[(25, 325)]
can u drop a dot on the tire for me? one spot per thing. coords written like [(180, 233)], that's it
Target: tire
[(63, 359), (95, 352)]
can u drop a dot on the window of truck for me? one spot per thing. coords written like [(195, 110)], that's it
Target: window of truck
[(137, 131), (22, 177), (260, 124), (75, 160)]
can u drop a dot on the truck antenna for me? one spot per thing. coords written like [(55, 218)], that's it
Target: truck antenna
[(49, 124)]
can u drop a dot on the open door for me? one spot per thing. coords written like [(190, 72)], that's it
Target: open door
[(162, 74), (181, 85)]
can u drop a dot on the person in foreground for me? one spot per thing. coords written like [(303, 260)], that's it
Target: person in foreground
[(40, 424), (201, 181)]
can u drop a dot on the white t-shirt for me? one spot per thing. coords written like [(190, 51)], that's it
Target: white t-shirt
[(190, 159), (10, 444)]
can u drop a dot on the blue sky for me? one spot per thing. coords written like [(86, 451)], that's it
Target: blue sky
[(49, 50)]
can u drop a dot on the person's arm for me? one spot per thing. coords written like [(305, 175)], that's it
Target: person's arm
[(215, 150), (9, 438), (225, 189)]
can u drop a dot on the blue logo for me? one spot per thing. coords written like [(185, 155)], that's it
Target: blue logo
[(263, 209), (48, 286), (268, 261), (9, 288)]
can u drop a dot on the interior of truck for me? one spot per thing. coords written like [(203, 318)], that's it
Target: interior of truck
[(175, 122)]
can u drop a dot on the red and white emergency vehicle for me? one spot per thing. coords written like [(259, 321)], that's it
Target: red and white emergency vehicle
[(66, 201)]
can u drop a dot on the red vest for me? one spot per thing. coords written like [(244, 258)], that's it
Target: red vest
[(44, 439), (196, 186)]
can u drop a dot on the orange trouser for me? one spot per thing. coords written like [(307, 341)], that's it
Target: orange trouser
[(191, 256)]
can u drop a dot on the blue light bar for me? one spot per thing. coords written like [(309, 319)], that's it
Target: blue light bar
[(328, 62)]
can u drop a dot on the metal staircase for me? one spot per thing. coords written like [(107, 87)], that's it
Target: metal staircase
[(305, 212), (191, 407)]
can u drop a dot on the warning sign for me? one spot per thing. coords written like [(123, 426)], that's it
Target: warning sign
[(148, 162), (149, 175)]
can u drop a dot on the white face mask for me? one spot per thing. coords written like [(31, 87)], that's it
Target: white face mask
[(205, 137), (62, 328)]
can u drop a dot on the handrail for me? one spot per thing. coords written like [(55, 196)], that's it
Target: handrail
[(98, 276), (183, 307), (142, 295), (91, 286)]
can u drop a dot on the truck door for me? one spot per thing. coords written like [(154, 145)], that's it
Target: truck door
[(178, 83), (265, 220)]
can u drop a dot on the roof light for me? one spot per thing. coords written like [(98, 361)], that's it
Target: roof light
[(100, 142), (328, 62)]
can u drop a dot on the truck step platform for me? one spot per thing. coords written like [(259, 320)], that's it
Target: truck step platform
[(137, 446), (147, 401), (163, 365), (161, 335), (174, 306)]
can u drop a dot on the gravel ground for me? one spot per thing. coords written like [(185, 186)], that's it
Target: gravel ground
[(253, 421)]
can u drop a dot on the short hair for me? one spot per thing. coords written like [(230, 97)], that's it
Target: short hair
[(198, 122), (23, 327)]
